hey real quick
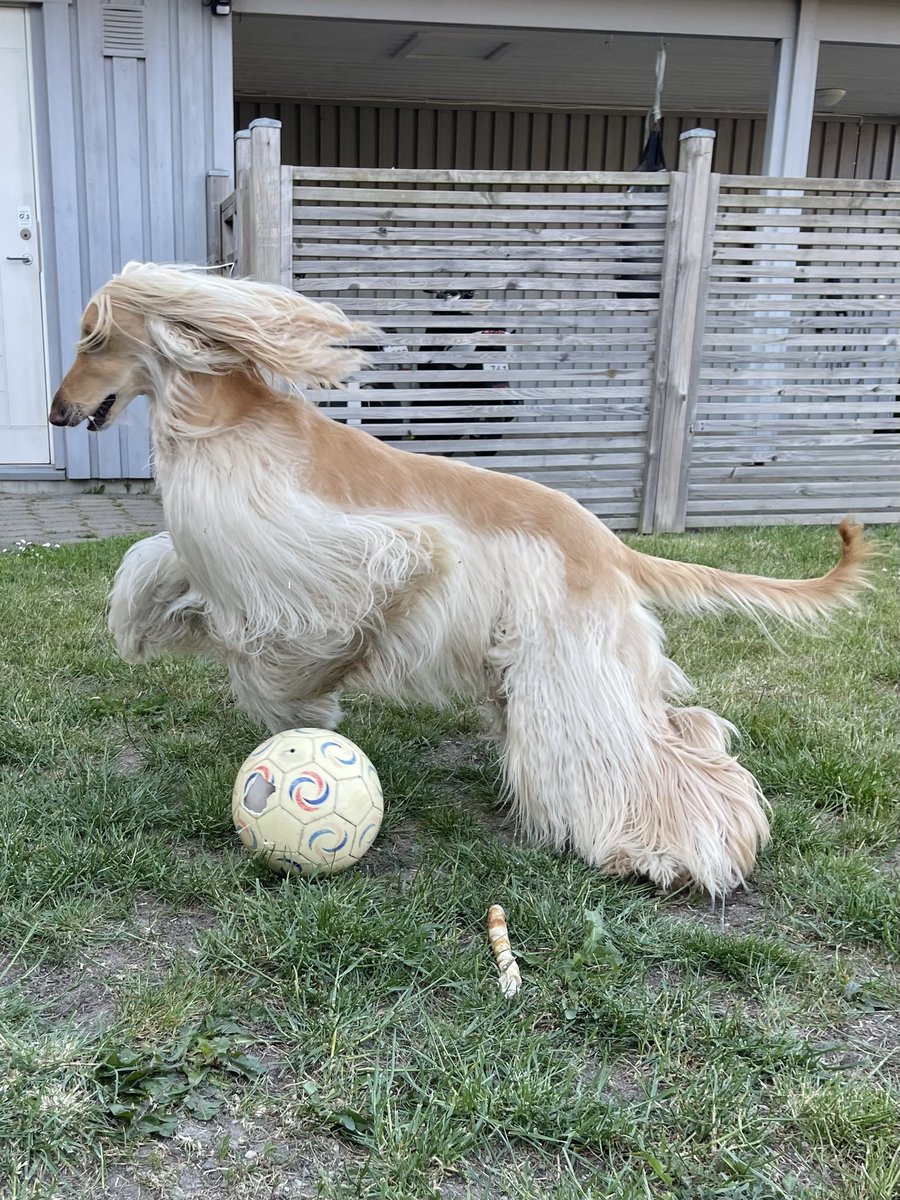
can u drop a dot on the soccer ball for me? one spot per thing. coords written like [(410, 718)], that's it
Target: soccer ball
[(308, 800)]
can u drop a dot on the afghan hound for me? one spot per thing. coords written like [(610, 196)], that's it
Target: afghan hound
[(309, 558)]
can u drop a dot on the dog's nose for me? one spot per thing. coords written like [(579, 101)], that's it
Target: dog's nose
[(60, 413)]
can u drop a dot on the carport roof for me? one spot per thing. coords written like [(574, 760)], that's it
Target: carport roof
[(294, 57)]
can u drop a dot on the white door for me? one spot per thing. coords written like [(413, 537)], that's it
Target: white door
[(24, 434)]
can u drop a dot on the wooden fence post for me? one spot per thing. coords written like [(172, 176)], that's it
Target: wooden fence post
[(682, 310), (265, 257), (242, 229), (218, 186)]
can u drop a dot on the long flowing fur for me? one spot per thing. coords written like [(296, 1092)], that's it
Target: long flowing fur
[(310, 559), (695, 588), (195, 325)]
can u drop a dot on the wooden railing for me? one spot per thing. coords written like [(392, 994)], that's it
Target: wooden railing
[(677, 349)]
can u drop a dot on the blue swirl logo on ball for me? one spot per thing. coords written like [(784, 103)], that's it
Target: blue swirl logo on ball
[(323, 849), (309, 791), (339, 753)]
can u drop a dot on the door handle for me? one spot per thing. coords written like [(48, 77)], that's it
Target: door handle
[(22, 258)]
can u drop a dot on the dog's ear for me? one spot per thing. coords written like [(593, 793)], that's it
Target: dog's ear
[(184, 346), (201, 322)]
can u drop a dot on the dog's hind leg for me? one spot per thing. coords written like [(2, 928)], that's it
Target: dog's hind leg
[(598, 761)]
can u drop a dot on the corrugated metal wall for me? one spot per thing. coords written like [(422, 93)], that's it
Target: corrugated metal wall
[(384, 135), (130, 139)]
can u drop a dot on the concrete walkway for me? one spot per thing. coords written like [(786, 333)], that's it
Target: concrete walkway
[(75, 518)]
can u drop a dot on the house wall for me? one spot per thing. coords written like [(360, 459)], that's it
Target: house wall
[(384, 135), (125, 144)]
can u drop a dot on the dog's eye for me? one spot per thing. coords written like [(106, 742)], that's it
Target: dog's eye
[(91, 340)]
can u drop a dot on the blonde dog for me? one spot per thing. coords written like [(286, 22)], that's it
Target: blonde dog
[(309, 558)]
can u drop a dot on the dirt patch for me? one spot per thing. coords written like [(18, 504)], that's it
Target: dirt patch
[(129, 760), (739, 912), (84, 992), (501, 822), (871, 1041), (78, 994), (622, 1080), (458, 751), (168, 932), (394, 852), (235, 1157)]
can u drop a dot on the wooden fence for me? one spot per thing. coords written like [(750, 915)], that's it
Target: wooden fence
[(675, 350)]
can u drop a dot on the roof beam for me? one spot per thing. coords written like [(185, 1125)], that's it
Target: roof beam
[(710, 18)]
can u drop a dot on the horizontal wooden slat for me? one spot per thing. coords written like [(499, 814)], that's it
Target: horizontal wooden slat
[(546, 268), (735, 426), (794, 443), (461, 402), (774, 292), (388, 269), (777, 371), (614, 233), (796, 206), (613, 345), (499, 308), (619, 179), (770, 474), (824, 306), (589, 253), (810, 496), (834, 324), (718, 519), (491, 198), (825, 346), (476, 396), (839, 239), (765, 257), (444, 216), (759, 183), (516, 283), (386, 235), (510, 378), (396, 426), (623, 454), (411, 360)]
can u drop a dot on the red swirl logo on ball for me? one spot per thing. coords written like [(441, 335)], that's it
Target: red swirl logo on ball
[(309, 791)]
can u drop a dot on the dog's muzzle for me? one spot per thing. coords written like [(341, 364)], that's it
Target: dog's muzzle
[(63, 414)]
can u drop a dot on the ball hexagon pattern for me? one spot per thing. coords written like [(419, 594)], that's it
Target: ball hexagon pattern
[(308, 800)]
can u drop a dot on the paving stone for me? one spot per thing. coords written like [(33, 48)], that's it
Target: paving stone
[(75, 518)]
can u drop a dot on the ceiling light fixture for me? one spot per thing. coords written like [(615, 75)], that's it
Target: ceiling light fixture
[(829, 97)]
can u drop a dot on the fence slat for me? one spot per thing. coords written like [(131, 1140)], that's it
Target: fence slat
[(218, 187)]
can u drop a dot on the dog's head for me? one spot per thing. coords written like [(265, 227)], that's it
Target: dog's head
[(151, 321), (109, 368)]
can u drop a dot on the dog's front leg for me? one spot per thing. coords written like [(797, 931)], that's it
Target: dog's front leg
[(282, 693), (153, 608)]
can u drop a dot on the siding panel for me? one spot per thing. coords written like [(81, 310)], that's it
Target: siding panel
[(130, 143)]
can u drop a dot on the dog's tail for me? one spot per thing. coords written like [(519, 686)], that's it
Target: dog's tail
[(695, 588)]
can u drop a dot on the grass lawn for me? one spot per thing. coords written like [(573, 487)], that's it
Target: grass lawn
[(177, 1022)]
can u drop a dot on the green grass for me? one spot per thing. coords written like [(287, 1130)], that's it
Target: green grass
[(173, 1015)]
